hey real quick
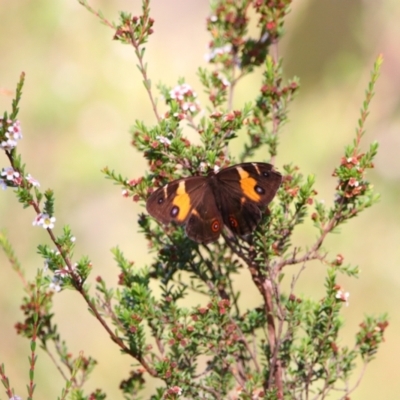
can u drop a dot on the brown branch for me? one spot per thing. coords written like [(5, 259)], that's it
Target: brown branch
[(50, 354), (313, 253), (246, 344), (116, 339), (276, 368), (358, 381)]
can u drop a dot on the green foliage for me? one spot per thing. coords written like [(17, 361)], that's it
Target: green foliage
[(286, 347)]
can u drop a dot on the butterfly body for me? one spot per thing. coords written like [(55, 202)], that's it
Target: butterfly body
[(232, 197)]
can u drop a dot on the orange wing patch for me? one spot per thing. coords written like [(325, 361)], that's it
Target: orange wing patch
[(182, 201), (248, 184)]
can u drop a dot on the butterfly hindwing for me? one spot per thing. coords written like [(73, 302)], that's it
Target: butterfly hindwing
[(239, 215), (205, 221)]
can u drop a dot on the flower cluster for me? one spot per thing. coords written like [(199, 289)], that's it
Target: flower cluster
[(9, 177), (57, 281), (173, 391), (353, 185), (12, 134), (213, 55), (186, 99)]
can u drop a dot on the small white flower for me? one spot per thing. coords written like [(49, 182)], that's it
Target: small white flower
[(8, 144), (218, 51), (44, 220), (175, 390), (32, 180), (176, 93), (48, 222), (73, 239), (354, 182), (14, 131), (209, 56), (13, 134), (61, 273), (203, 166), (186, 88), (125, 193), (180, 91), (213, 18), (343, 296), (264, 37), (14, 397), (55, 284), (224, 81), (163, 140), (9, 173), (38, 220), (188, 106)]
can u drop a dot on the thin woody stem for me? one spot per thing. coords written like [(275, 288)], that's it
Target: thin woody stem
[(276, 368)]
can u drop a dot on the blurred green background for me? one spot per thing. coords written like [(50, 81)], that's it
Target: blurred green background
[(83, 92)]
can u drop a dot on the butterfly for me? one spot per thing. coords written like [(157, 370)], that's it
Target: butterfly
[(232, 197)]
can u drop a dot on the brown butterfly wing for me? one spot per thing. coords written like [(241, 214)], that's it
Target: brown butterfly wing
[(188, 201), (240, 217), (205, 221), (241, 191), (174, 201)]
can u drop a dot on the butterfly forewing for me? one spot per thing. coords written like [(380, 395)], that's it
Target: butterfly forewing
[(257, 182), (174, 201)]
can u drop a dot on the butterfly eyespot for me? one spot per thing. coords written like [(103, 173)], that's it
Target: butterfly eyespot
[(266, 174), (233, 222), (215, 225), (160, 200), (174, 211), (259, 189)]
